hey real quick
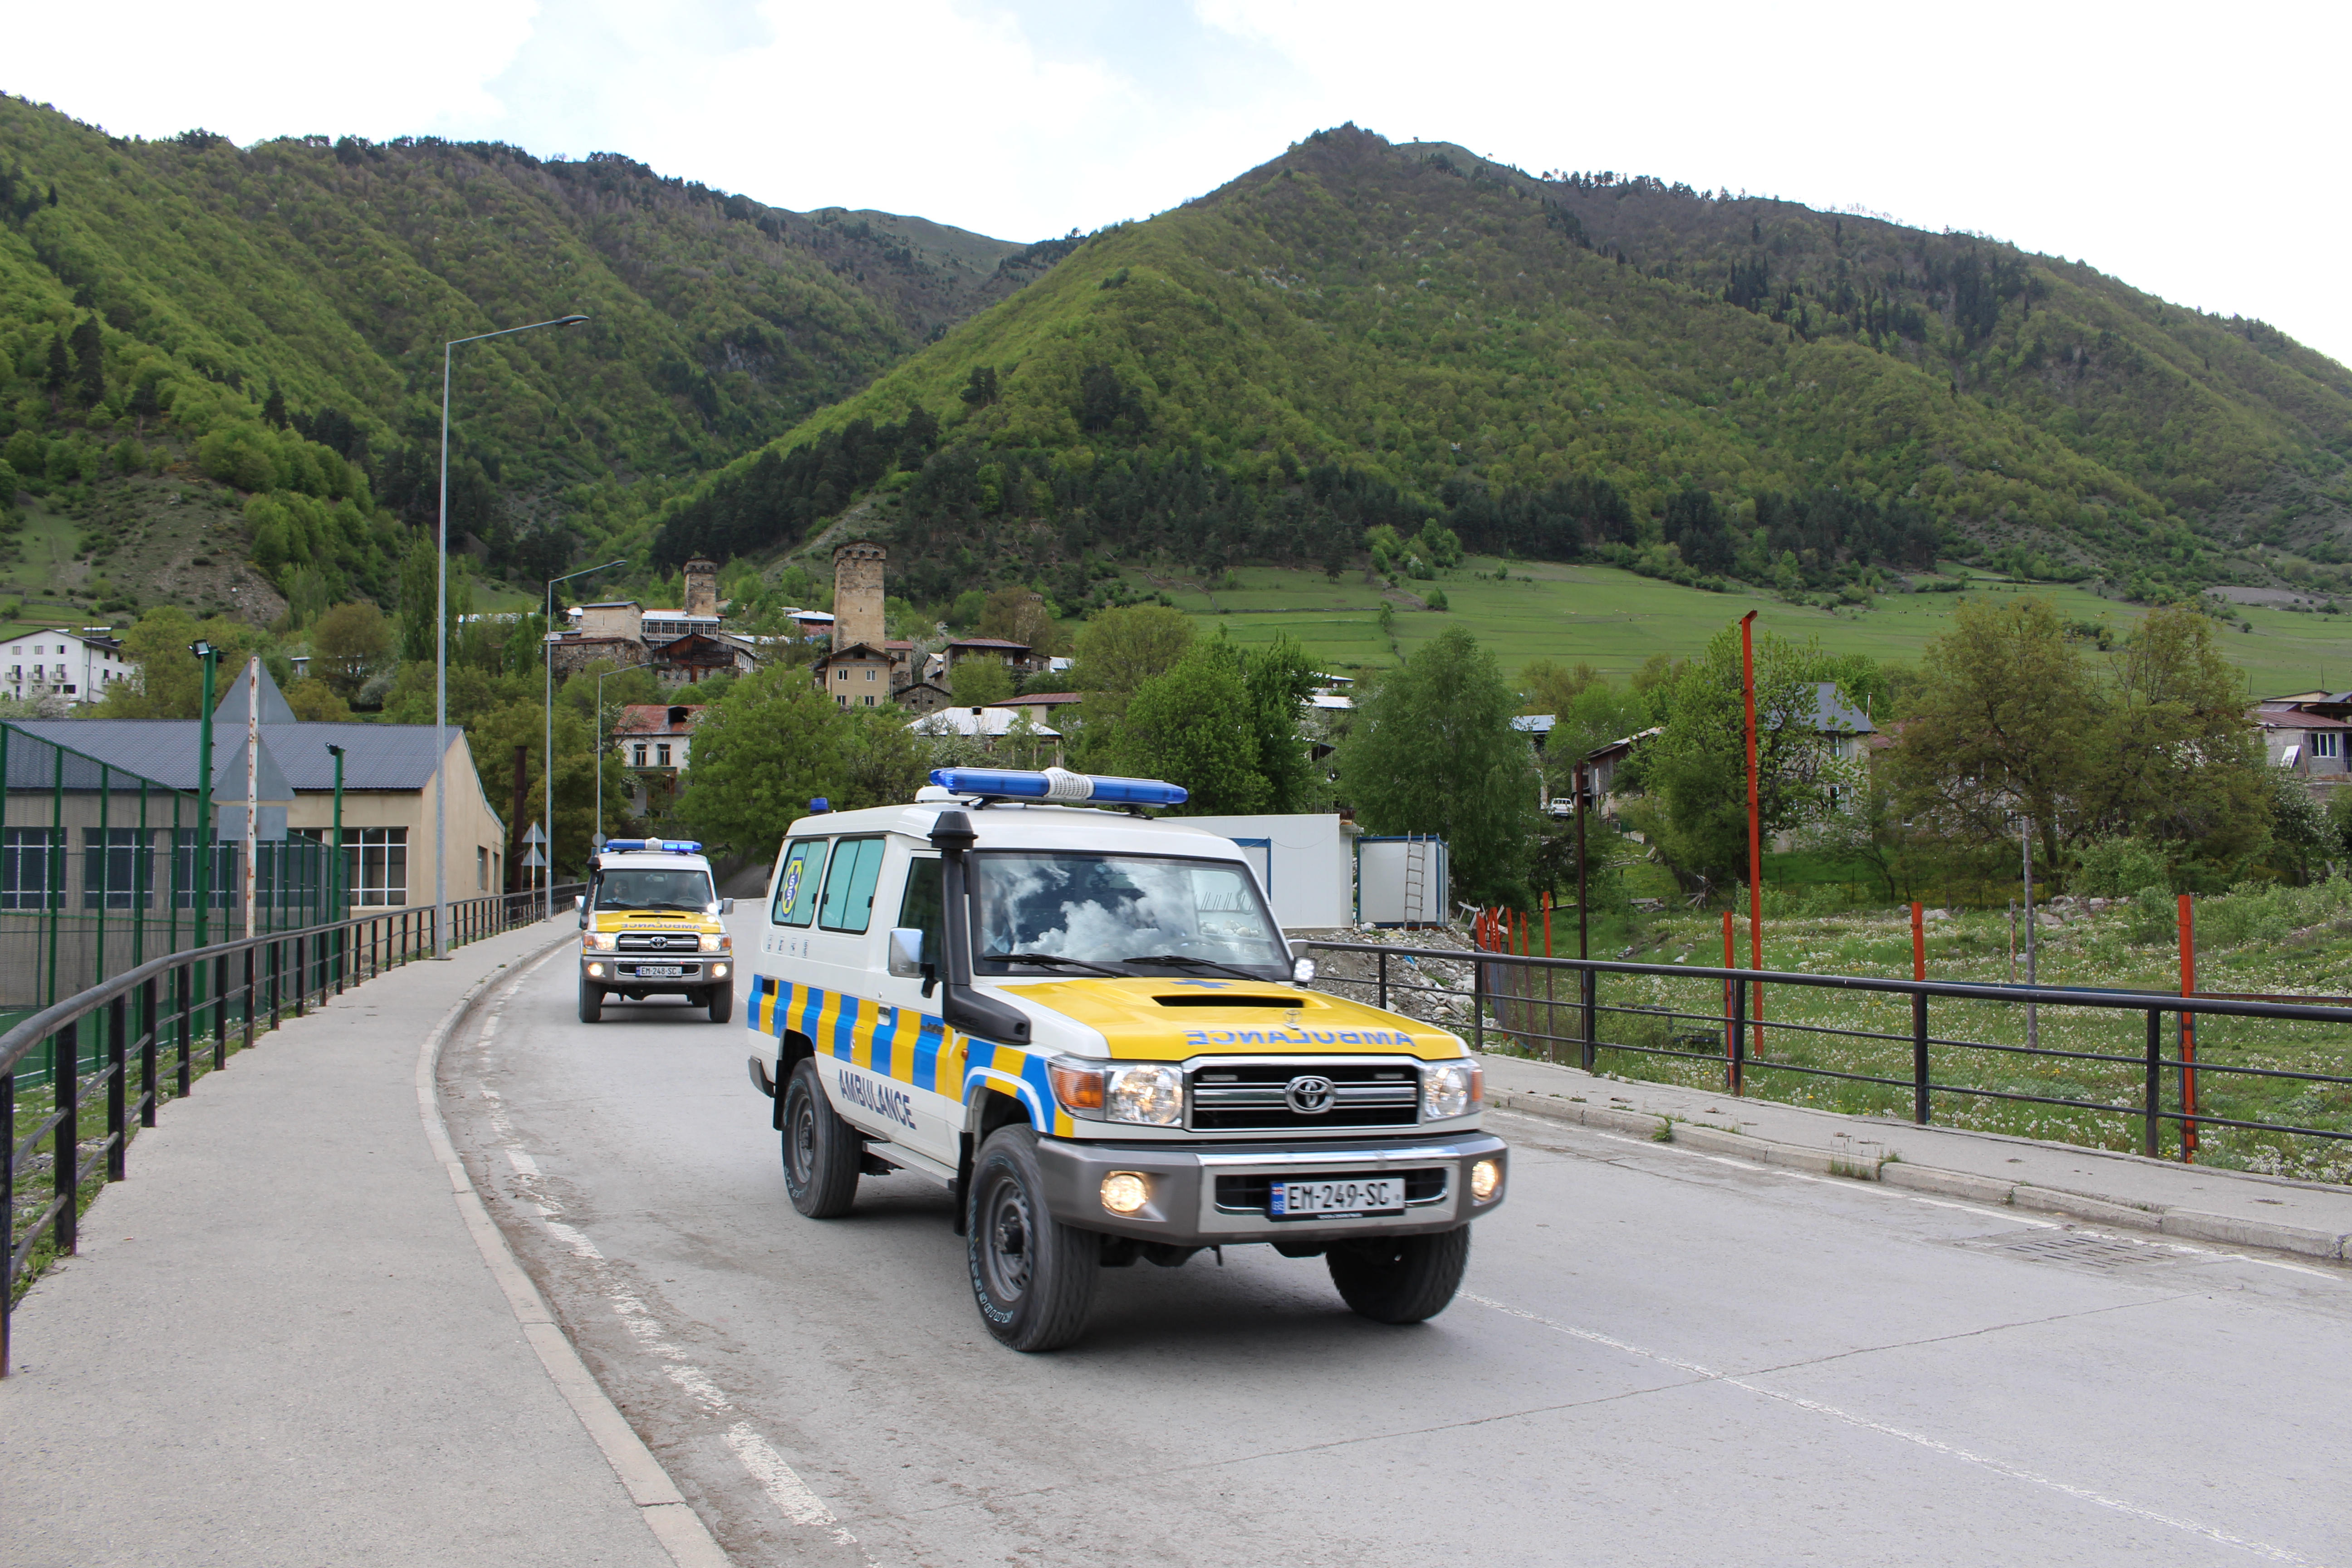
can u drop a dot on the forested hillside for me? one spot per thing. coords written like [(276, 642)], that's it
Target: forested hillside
[(272, 318), (1361, 333)]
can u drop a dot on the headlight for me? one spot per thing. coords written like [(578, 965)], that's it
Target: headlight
[(1485, 1180), (1151, 1094), (714, 941), (1449, 1090), (601, 942)]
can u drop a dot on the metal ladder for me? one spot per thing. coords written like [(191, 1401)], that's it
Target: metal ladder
[(1416, 891)]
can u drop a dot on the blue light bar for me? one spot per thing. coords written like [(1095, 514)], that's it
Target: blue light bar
[(1058, 785), (652, 845)]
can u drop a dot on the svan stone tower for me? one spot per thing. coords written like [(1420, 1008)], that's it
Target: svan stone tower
[(701, 587), (857, 594)]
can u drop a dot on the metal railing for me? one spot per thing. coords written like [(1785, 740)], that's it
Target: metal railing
[(86, 1072), (2176, 1082)]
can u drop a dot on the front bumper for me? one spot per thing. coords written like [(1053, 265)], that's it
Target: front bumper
[(1189, 1205), (621, 971)]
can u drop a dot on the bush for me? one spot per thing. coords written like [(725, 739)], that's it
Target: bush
[(2120, 868)]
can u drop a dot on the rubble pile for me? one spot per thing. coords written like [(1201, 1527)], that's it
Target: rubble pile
[(1356, 975)]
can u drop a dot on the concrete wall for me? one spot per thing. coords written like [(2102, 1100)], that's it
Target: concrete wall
[(701, 587), (1303, 861)]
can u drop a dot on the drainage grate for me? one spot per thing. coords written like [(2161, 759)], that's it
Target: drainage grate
[(2084, 1251)]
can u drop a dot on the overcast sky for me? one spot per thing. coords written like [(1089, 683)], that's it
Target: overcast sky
[(2197, 153)]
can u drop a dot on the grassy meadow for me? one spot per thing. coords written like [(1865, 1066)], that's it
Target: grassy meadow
[(1613, 620)]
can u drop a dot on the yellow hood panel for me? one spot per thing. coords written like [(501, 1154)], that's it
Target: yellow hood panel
[(669, 921), (1140, 1026)]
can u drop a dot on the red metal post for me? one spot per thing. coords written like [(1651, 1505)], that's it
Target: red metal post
[(1918, 942), (1755, 831), (2188, 1032)]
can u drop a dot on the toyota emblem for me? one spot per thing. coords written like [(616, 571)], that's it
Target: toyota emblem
[(657, 942), (1310, 1095)]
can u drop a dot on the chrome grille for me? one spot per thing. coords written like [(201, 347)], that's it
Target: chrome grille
[(1235, 1097), (658, 942)]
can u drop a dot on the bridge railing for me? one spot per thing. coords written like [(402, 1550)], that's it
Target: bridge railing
[(79, 1078), (2261, 1082)]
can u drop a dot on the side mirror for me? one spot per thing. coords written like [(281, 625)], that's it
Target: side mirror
[(725, 906), (580, 901), (906, 952)]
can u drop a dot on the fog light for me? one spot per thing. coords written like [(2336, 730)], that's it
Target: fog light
[(595, 969), (1485, 1180), (718, 972), (1123, 1192)]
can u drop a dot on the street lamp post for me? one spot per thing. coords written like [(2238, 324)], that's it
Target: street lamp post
[(546, 756), (211, 657), (341, 908), (441, 647)]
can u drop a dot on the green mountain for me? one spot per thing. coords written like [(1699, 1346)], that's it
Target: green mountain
[(1360, 333), (265, 318)]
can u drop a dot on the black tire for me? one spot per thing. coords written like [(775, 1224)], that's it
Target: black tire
[(822, 1152), (1401, 1278), (1033, 1276), (592, 1001), (722, 1002)]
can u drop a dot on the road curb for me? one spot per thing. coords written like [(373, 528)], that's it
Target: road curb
[(2193, 1224), (675, 1525)]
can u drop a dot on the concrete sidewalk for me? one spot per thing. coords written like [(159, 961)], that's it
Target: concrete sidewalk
[(281, 1343), (2197, 1202)]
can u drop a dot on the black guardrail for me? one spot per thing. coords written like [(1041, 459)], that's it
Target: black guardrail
[(1520, 992), (56, 1064)]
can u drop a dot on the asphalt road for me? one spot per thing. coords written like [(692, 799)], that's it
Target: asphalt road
[(1660, 1357)]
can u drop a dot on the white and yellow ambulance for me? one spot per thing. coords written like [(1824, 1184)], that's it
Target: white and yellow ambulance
[(649, 926), (1085, 1021)]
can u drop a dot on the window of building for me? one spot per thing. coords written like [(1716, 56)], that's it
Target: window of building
[(871, 701), (375, 864), (27, 868), (841, 674), (481, 869), (641, 756), (118, 868), (2324, 743), (661, 756), (869, 672)]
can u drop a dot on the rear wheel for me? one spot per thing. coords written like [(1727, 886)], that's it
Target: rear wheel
[(592, 1001), (822, 1153), (1033, 1276), (722, 1002), (1401, 1278)]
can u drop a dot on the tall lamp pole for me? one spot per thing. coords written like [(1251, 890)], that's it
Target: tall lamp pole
[(1755, 831), (335, 865), (441, 648), (211, 657), (546, 756)]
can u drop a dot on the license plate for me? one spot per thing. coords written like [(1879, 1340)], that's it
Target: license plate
[(1376, 1194), (659, 970)]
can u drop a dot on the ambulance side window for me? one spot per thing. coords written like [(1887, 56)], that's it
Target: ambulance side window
[(795, 902), (921, 908), (848, 903)]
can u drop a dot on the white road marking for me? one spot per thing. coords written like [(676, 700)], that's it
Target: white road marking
[(791, 1496), (1999, 1466)]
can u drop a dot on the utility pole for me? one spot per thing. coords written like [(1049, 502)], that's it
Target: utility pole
[(252, 777), (210, 655)]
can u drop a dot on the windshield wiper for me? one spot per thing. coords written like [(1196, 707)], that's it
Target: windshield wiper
[(1049, 958), (1189, 962)]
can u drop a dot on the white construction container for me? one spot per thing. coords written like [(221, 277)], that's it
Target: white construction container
[(1302, 862)]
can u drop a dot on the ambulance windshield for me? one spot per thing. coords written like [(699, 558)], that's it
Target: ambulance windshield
[(1153, 915), (668, 887)]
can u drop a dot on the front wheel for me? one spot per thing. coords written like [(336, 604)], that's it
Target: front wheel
[(592, 1001), (722, 1002), (1401, 1278), (1033, 1276), (822, 1152)]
